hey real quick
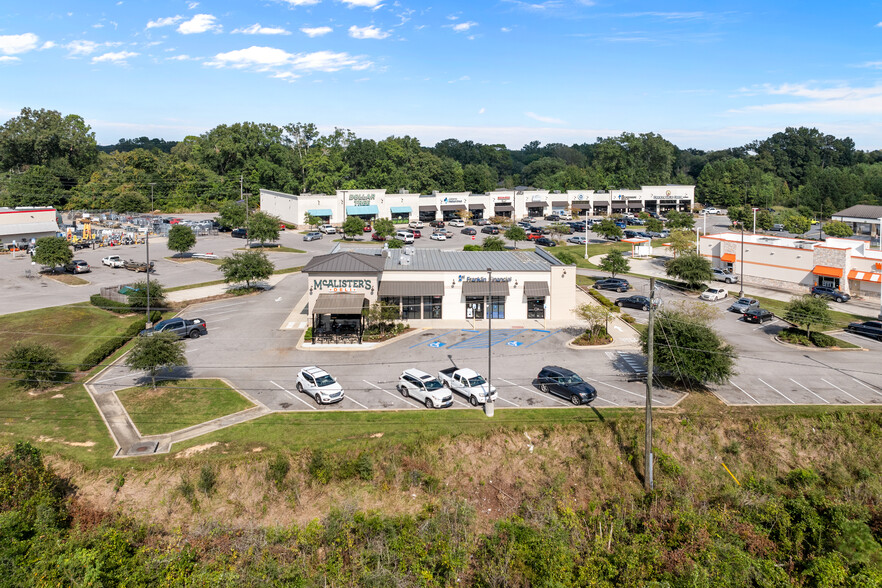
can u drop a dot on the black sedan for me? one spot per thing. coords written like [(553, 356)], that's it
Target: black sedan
[(469, 231), (490, 230), (545, 242), (617, 284), (871, 329), (759, 315), (636, 301), (566, 384)]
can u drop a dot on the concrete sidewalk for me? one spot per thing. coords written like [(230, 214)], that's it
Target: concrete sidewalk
[(218, 289)]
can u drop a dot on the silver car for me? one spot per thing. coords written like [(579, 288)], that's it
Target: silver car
[(742, 305), (312, 236)]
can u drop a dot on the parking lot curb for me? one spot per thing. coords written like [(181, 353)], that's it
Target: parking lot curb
[(302, 345), (802, 347)]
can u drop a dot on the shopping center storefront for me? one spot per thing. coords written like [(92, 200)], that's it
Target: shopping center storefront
[(433, 285)]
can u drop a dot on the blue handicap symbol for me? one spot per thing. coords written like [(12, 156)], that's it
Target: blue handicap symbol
[(436, 344), (515, 343)]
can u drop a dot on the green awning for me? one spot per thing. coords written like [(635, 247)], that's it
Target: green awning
[(362, 210), (400, 209), (320, 212)]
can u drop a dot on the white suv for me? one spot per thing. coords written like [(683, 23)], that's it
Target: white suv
[(424, 387), (328, 229), (457, 222), (319, 384), (415, 224), (405, 236)]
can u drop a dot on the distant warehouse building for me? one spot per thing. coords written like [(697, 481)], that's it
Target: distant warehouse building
[(798, 264), (516, 203), (20, 227), (431, 287)]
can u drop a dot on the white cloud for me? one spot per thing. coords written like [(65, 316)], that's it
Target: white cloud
[(316, 31), (181, 57), (879, 24), (200, 23), (82, 47), (164, 22), (8, 59), (482, 111), (463, 26), (460, 79), (301, 2), (362, 3), (280, 62), (192, 5), (368, 32), (256, 29), (545, 119), (118, 57), (840, 100), (47, 45), (13, 44), (98, 25), (872, 64), (505, 29)]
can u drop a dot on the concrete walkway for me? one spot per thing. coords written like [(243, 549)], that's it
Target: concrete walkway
[(656, 267), (217, 289)]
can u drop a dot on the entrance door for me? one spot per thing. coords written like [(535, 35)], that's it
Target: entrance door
[(497, 307), (475, 307)]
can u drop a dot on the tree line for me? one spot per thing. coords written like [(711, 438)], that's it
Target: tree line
[(47, 158)]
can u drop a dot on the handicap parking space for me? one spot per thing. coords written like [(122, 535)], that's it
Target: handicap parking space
[(811, 387), (469, 339)]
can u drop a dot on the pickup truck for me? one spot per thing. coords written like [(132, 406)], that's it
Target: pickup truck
[(113, 261), (181, 327), (468, 383)]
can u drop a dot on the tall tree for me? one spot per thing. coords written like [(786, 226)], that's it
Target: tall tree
[(33, 365), (808, 311), (231, 215), (246, 266), (493, 244), (263, 227), (691, 268), (797, 224), (384, 227), (838, 229), (615, 263), (608, 229), (515, 233), (137, 297), (353, 226)]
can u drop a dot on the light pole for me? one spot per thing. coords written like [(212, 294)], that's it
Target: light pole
[(754, 220), (879, 267), (586, 236), (149, 323), (741, 281), (488, 402)]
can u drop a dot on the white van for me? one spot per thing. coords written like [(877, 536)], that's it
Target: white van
[(415, 224), (405, 236)]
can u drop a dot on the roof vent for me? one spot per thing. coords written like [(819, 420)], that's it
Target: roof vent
[(409, 250), (404, 259)]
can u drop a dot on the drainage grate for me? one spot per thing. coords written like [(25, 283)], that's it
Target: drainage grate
[(143, 448)]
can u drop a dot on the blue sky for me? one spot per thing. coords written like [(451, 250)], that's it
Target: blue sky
[(702, 74)]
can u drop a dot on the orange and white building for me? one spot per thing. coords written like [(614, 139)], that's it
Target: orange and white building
[(797, 264)]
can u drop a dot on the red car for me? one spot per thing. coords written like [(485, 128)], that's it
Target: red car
[(377, 237), (416, 233), (368, 228), (534, 236)]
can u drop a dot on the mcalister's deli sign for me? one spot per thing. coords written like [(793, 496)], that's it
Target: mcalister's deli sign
[(341, 285)]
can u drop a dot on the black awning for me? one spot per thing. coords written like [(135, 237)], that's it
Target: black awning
[(560, 203), (537, 204), (428, 209), (476, 206), (581, 205), (536, 289), (449, 207), (338, 304), (505, 207)]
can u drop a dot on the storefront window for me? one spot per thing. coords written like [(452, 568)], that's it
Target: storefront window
[(536, 307), (393, 301), (431, 307), (497, 307), (475, 307), (410, 307)]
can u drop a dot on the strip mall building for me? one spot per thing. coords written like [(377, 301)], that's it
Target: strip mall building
[(798, 264), (371, 204), (431, 286)]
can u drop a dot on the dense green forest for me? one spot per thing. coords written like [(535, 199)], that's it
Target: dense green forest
[(47, 158)]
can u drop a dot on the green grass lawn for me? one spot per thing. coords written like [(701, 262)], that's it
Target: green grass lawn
[(286, 270), (779, 307), (178, 404)]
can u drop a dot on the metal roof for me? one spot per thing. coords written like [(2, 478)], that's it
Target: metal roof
[(338, 304), (871, 213), (473, 261), (345, 261)]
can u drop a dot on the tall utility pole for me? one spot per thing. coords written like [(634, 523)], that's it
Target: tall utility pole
[(149, 323), (488, 402), (741, 281), (647, 459)]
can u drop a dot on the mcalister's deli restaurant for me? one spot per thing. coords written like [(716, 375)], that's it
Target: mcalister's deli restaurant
[(432, 287)]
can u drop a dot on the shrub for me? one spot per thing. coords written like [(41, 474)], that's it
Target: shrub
[(207, 480), (364, 467), (320, 467), (107, 347), (604, 300), (188, 492), (472, 248), (108, 304), (277, 470), (800, 337), (33, 365), (307, 336)]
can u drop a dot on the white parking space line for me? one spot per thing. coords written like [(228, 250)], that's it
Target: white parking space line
[(868, 387), (456, 400), (843, 391), (617, 388), (809, 391), (212, 309), (211, 316), (294, 396), (498, 397), (407, 400), (745, 391), (605, 400), (101, 381), (773, 388), (220, 319), (549, 396), (356, 402)]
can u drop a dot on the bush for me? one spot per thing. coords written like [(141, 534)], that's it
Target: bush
[(320, 467), (207, 480), (364, 467), (277, 470), (107, 347), (33, 365), (307, 336), (473, 248), (604, 300), (813, 339), (108, 304)]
